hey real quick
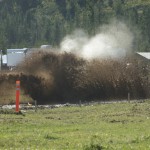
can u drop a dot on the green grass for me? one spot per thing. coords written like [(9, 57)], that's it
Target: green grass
[(119, 126)]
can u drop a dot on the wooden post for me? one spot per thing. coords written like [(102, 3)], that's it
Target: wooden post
[(17, 95), (80, 103), (128, 97), (35, 103)]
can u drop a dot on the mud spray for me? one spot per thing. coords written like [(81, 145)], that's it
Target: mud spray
[(84, 68)]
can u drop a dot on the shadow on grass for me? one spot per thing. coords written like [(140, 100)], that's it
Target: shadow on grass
[(93, 146), (50, 137)]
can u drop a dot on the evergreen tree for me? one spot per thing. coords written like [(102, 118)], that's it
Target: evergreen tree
[(30, 23)]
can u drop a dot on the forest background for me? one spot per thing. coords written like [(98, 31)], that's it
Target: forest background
[(31, 23)]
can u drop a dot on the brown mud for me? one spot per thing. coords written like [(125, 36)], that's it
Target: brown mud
[(50, 77)]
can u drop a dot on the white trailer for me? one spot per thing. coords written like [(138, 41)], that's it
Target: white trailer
[(15, 56)]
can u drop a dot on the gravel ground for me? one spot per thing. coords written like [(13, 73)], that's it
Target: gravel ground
[(33, 107)]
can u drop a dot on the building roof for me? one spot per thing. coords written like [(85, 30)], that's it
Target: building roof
[(144, 54)]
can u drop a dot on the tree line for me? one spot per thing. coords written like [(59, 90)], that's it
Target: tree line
[(31, 23)]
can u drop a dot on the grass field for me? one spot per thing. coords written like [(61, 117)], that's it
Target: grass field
[(118, 126)]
